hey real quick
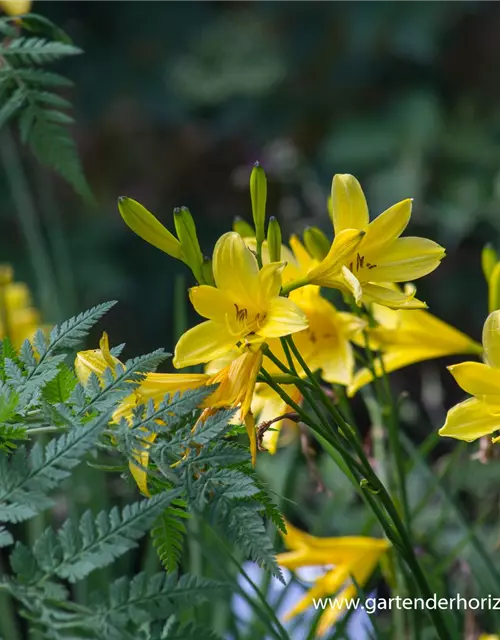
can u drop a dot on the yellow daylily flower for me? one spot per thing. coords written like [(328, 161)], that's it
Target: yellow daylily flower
[(406, 337), (19, 319), (236, 387), (365, 264), (480, 415), (488, 636), (244, 308), (325, 343), (355, 556), (15, 7), (154, 387)]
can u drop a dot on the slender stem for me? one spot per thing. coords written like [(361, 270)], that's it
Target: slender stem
[(58, 242), (40, 430), (295, 284), (30, 225), (380, 490), (8, 624)]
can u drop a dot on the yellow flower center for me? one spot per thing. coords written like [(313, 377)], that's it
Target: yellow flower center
[(244, 322), (360, 264)]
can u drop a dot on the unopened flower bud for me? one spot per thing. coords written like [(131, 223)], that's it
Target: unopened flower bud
[(258, 195), (489, 259), (243, 228), (186, 232), (316, 243), (274, 240)]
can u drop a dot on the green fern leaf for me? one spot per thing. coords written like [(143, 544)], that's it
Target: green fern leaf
[(25, 482), (168, 535), (98, 542), (37, 50), (61, 387)]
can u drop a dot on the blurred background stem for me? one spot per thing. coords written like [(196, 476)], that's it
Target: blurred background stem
[(30, 226)]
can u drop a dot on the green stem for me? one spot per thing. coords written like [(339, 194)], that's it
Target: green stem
[(295, 284), (30, 225), (380, 490), (58, 242), (9, 629)]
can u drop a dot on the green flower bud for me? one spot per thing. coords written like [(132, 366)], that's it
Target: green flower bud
[(149, 228), (316, 242), (243, 228), (329, 206), (207, 272), (274, 240), (494, 289), (258, 195), (186, 232), (489, 259)]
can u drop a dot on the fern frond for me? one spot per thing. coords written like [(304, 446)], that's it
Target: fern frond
[(25, 93), (99, 540), (60, 388), (168, 536), (71, 333), (36, 50), (242, 524), (25, 481)]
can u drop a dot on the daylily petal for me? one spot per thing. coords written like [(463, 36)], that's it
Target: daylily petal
[(336, 362), (149, 228), (304, 260), (405, 259), (328, 585), (211, 303), (139, 474), (207, 341), (283, 318), (270, 281), (491, 339), (252, 436), (386, 227), (353, 284), (394, 359), (235, 269), (343, 246), (476, 378), (469, 420), (349, 208), (390, 297), (156, 385)]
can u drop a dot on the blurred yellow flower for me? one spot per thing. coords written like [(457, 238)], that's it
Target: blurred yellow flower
[(19, 319), (405, 337), (480, 415), (15, 7), (379, 257), (488, 636), (342, 558), (244, 308)]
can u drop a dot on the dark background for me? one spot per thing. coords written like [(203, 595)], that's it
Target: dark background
[(175, 100)]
